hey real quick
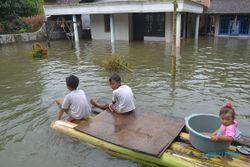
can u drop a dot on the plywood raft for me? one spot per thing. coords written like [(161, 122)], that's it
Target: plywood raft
[(149, 133)]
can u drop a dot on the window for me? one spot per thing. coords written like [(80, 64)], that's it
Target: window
[(107, 23), (235, 25), (224, 24), (244, 24), (154, 24)]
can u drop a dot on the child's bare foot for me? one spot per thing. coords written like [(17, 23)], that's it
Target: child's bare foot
[(93, 102), (70, 119)]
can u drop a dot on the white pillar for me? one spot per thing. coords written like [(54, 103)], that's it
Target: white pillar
[(112, 28), (168, 27), (217, 25), (178, 30), (197, 26), (75, 29)]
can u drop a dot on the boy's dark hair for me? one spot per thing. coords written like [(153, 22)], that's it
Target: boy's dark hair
[(72, 81), (115, 77), (225, 110)]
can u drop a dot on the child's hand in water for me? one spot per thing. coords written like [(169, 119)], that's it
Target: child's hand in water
[(214, 138)]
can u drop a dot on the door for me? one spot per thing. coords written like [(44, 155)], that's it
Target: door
[(138, 27)]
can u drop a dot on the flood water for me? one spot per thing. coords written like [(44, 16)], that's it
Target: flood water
[(207, 75)]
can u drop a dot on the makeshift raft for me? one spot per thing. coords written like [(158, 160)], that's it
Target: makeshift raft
[(148, 138)]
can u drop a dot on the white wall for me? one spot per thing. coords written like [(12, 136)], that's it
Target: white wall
[(217, 25), (121, 27), (97, 27)]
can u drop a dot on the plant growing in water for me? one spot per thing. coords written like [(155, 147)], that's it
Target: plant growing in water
[(39, 51), (116, 63)]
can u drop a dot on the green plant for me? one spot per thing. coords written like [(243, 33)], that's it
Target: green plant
[(11, 12), (39, 51), (116, 63), (22, 30), (34, 22)]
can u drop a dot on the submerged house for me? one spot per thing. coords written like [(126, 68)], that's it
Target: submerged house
[(129, 19), (228, 18)]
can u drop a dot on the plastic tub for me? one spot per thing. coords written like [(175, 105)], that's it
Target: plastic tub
[(199, 123)]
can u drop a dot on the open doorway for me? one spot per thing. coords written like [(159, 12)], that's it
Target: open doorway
[(138, 27)]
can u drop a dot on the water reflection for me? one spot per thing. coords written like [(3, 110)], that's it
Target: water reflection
[(206, 75)]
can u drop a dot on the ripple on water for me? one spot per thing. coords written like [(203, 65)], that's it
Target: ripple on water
[(206, 76)]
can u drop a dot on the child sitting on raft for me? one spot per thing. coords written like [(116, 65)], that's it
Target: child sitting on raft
[(75, 103), (228, 130), (122, 100)]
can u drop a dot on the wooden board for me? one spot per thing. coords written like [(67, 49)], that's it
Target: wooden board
[(146, 132)]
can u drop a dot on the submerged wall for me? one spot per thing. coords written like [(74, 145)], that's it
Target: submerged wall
[(23, 37), (121, 27)]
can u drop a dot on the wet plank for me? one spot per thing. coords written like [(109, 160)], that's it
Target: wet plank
[(146, 132)]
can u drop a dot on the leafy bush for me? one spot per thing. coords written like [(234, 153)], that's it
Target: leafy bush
[(12, 25), (11, 12), (22, 8), (34, 22)]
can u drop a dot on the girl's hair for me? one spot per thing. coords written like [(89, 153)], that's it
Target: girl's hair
[(228, 108)]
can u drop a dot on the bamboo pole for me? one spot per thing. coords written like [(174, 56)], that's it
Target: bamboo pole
[(174, 26), (179, 154), (241, 160), (185, 137), (188, 152), (173, 52), (167, 160), (131, 158)]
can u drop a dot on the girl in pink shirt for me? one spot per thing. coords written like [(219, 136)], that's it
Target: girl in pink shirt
[(228, 128)]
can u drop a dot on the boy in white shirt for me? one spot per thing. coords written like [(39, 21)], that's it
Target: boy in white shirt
[(75, 103), (123, 100)]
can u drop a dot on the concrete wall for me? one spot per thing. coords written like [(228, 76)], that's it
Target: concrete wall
[(121, 27), (23, 37), (97, 27)]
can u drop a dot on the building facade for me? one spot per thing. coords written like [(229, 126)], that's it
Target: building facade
[(228, 18), (131, 19)]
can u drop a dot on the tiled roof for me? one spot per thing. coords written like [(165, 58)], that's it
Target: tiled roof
[(229, 6), (60, 1)]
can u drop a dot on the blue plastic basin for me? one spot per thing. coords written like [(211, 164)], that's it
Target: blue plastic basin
[(197, 124)]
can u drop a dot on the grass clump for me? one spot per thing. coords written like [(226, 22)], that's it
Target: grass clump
[(116, 63), (39, 51)]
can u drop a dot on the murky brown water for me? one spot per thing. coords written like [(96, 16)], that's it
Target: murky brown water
[(207, 75)]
